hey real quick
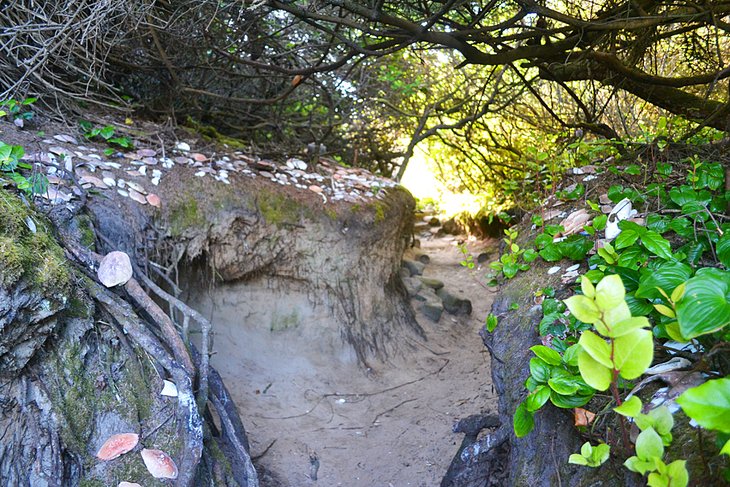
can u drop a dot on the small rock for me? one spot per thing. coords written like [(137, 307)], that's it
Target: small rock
[(183, 146), (423, 259), (432, 283), (426, 294), (416, 268), (432, 309), (454, 304), (412, 285)]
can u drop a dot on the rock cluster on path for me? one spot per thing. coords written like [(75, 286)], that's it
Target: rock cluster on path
[(429, 294)]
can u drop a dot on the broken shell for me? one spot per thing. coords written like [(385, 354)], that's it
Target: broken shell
[(153, 200), (159, 464), (574, 222), (622, 211), (169, 389), (115, 268), (117, 445), (128, 484)]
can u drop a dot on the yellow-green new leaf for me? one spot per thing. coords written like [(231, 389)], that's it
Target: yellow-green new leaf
[(597, 348), (587, 287), (678, 292), (610, 292), (583, 308), (665, 310), (617, 314), (633, 353), (593, 372), (631, 407), (627, 326)]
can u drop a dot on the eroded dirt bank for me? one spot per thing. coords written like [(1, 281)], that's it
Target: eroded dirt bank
[(320, 414)]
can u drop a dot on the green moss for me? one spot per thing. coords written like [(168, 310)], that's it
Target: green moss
[(211, 134), (78, 307), (88, 237), (34, 255), (185, 214), (379, 211), (278, 209), (75, 397)]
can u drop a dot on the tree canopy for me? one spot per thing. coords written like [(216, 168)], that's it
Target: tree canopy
[(371, 80)]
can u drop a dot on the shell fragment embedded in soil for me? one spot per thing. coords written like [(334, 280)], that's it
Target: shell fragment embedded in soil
[(159, 464), (117, 445), (115, 268)]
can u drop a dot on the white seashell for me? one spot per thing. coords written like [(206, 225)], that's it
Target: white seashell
[(169, 389), (622, 211)]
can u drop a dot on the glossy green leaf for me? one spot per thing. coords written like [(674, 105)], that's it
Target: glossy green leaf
[(491, 322), (565, 385), (709, 404), (633, 353), (630, 407), (723, 250), (705, 305), (593, 372), (537, 398), (632, 257), (539, 370), (677, 472), (569, 402), (551, 253), (570, 356), (666, 276), (626, 238), (523, 421), (662, 420), (548, 355), (657, 245)]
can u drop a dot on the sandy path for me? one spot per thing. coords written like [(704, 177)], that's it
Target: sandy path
[(348, 428)]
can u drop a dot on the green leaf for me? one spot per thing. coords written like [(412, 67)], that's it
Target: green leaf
[(677, 472), (548, 355), (599, 222), (630, 407), (597, 348), (705, 305), (662, 420), (633, 353), (583, 308), (632, 257), (107, 132), (626, 238), (600, 454), (551, 253), (570, 356), (593, 372), (491, 322), (725, 450), (667, 275), (537, 398), (610, 292), (723, 250), (569, 402), (709, 404), (576, 459), (628, 326), (510, 270), (523, 421), (529, 255), (566, 385), (587, 287), (649, 445), (575, 247), (657, 245), (539, 370), (635, 464)]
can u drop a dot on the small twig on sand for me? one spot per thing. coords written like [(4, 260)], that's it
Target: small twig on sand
[(377, 416)]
